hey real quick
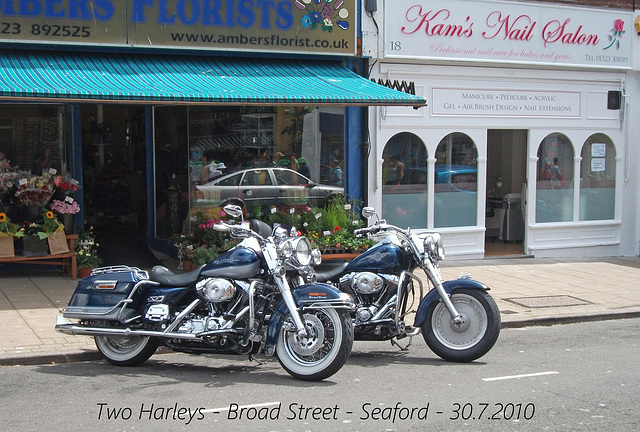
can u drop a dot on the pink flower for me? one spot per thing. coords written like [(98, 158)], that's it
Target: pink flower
[(618, 25)]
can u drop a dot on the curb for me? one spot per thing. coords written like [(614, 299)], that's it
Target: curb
[(569, 319)]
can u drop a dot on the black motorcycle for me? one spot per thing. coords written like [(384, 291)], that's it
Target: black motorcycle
[(458, 319), (239, 303)]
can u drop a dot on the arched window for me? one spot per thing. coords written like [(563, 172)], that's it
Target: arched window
[(554, 194), (597, 178), (404, 181), (456, 182)]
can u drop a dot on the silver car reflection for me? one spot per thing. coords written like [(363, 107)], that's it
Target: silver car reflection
[(257, 187)]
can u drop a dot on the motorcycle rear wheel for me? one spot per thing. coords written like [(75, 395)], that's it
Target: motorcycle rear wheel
[(474, 338), (324, 351), (126, 351)]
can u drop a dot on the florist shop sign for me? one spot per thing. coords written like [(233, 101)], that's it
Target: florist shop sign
[(288, 26), (505, 32)]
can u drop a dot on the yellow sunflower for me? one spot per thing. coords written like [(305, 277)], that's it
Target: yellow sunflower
[(50, 214), (3, 217)]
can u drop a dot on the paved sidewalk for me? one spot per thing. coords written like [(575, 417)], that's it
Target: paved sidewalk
[(528, 291)]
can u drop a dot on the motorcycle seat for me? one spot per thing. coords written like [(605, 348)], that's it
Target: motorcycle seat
[(327, 275), (164, 276)]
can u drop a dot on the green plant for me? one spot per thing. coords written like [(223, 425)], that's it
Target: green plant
[(87, 250), (8, 228), (204, 254)]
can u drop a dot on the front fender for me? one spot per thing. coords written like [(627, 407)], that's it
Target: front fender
[(449, 287), (315, 295)]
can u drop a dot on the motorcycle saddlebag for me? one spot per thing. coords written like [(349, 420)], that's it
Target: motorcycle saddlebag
[(108, 296)]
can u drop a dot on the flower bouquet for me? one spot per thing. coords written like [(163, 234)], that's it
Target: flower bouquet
[(67, 210), (8, 176), (35, 191), (66, 185), (64, 207)]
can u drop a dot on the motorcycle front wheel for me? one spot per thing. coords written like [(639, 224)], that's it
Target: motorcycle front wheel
[(467, 341), (126, 351), (325, 349)]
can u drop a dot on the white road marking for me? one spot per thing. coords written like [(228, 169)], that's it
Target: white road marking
[(520, 376), (241, 406)]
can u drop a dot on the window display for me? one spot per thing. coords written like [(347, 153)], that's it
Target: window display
[(554, 192), (256, 157), (597, 178), (456, 182)]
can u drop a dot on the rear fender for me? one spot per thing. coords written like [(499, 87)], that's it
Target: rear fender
[(450, 287), (317, 296)]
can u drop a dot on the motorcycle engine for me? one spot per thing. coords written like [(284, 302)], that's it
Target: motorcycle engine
[(367, 283), (216, 290)]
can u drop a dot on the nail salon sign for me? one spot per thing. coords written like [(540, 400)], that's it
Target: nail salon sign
[(507, 32)]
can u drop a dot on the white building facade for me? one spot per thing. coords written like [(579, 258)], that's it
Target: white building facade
[(529, 139)]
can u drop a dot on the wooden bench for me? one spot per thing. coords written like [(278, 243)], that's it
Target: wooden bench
[(67, 259)]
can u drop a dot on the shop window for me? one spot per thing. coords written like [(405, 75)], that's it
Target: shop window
[(456, 182), (597, 178), (404, 179), (257, 157), (554, 179)]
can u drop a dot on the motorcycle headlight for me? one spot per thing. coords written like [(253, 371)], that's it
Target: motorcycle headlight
[(316, 257), (297, 249), (303, 251), (216, 290), (286, 247), (432, 244)]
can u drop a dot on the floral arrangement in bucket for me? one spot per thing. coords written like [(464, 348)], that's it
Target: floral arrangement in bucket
[(8, 228), (87, 250), (66, 184), (35, 191), (64, 207)]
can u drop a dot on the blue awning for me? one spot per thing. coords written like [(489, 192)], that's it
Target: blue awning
[(189, 79)]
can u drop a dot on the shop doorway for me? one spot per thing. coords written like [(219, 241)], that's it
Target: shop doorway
[(505, 198), (114, 182)]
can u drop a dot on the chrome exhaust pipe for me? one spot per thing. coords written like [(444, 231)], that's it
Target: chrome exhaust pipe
[(67, 327)]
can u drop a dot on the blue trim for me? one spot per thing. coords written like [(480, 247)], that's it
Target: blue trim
[(150, 170), (75, 153), (449, 287)]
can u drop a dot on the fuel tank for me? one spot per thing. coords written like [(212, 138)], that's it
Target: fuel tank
[(236, 263), (384, 257)]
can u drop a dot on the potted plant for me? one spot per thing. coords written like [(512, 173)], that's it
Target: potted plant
[(8, 231), (87, 253)]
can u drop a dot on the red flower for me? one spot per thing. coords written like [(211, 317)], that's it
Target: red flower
[(337, 228), (618, 25)]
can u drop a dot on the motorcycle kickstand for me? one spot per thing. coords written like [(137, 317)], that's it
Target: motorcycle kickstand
[(406, 347), (257, 360)]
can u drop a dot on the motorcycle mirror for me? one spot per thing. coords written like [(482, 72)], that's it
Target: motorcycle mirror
[(368, 212), (234, 211)]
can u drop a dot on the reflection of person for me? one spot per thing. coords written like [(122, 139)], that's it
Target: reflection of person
[(293, 162), (276, 158), (556, 172), (40, 161), (335, 177), (304, 168), (394, 170)]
